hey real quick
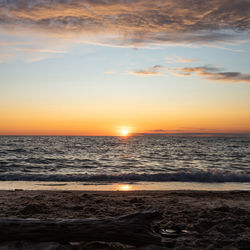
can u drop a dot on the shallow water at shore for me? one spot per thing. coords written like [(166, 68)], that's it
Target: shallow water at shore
[(126, 186)]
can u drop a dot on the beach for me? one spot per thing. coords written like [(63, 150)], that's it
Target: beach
[(189, 219), (124, 124)]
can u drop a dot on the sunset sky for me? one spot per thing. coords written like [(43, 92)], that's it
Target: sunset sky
[(98, 67)]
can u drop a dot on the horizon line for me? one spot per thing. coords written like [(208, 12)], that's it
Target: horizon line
[(223, 134)]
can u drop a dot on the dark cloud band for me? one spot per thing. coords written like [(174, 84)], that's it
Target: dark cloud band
[(206, 72), (214, 74), (133, 22)]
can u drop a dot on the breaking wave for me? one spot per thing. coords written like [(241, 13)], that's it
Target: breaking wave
[(201, 176)]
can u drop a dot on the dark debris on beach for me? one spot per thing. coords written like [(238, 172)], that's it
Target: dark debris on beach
[(190, 220)]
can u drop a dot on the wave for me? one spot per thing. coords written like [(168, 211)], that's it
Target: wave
[(201, 176)]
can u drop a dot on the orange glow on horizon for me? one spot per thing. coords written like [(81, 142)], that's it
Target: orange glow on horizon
[(48, 121)]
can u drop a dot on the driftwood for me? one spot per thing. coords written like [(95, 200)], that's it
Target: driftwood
[(134, 229)]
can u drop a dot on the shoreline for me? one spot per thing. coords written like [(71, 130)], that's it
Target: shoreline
[(124, 186), (215, 219)]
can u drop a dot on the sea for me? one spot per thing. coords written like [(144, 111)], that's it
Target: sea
[(125, 163)]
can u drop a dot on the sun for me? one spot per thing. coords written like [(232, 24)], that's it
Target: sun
[(124, 187), (125, 132)]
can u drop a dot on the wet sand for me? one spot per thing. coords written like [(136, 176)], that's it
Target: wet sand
[(198, 219)]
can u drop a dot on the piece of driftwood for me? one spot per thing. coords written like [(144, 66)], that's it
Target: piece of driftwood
[(134, 229)]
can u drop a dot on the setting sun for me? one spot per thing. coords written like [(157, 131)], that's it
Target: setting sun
[(124, 187), (125, 132), (112, 107)]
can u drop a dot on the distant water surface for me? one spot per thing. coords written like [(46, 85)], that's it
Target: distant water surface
[(124, 159)]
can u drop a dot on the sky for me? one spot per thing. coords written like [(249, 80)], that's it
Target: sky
[(99, 67)]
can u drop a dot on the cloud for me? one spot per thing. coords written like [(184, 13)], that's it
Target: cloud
[(164, 131), (195, 134), (110, 72), (28, 54), (177, 59), (131, 22), (183, 60), (152, 71), (184, 129), (36, 50), (28, 46), (192, 131), (213, 73)]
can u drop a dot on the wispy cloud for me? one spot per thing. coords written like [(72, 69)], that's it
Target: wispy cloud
[(132, 22), (159, 131), (152, 71), (110, 72), (26, 54), (205, 133), (195, 132), (29, 46), (36, 50), (178, 59), (214, 74)]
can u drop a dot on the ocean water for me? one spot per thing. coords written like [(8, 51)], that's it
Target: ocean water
[(151, 159)]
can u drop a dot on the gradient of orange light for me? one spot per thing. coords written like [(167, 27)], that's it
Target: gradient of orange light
[(47, 121)]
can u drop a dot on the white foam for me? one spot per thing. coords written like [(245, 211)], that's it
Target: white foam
[(197, 176)]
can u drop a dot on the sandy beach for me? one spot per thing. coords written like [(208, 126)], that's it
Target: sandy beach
[(190, 219)]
